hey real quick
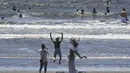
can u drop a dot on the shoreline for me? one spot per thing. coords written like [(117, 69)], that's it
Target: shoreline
[(65, 71)]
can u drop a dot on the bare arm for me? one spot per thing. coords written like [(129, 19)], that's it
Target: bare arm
[(61, 37), (51, 37), (71, 40)]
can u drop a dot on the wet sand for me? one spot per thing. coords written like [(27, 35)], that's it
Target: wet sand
[(65, 72)]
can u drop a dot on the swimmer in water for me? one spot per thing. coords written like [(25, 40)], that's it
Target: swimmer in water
[(82, 14), (123, 15), (14, 8), (94, 11), (107, 10)]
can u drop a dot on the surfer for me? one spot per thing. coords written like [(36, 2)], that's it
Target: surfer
[(57, 51)]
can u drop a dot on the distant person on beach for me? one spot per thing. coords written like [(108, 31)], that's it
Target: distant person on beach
[(75, 44), (14, 8), (82, 14), (123, 15), (107, 11), (43, 58), (71, 62), (57, 51)]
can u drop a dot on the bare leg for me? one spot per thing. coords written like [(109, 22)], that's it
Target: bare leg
[(54, 57), (45, 67), (60, 56), (41, 66)]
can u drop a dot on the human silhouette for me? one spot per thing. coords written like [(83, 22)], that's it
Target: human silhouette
[(43, 58), (14, 8), (57, 51), (123, 15), (107, 10), (71, 62), (75, 44)]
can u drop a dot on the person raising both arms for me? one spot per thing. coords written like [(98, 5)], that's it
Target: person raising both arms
[(57, 51), (75, 44), (43, 58)]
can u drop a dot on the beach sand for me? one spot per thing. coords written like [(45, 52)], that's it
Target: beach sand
[(65, 72)]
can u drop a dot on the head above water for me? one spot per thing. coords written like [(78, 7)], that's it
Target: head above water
[(94, 8), (123, 9), (71, 51)]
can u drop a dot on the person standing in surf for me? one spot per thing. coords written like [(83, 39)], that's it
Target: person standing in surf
[(14, 8), (57, 51), (123, 15), (94, 12), (43, 58), (71, 62), (82, 14), (107, 11), (75, 44)]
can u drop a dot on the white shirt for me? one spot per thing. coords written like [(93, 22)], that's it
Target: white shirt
[(43, 54)]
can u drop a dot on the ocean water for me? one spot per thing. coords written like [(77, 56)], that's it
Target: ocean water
[(104, 39)]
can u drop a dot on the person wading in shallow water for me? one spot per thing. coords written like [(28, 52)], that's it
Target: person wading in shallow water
[(57, 51), (43, 58), (82, 14), (107, 11), (123, 15)]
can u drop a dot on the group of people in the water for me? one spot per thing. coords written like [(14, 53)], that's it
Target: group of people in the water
[(124, 18), (20, 15), (123, 14), (71, 57)]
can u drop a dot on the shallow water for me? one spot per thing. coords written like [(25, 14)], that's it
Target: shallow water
[(104, 39)]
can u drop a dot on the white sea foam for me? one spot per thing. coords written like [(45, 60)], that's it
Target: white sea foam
[(108, 36)]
